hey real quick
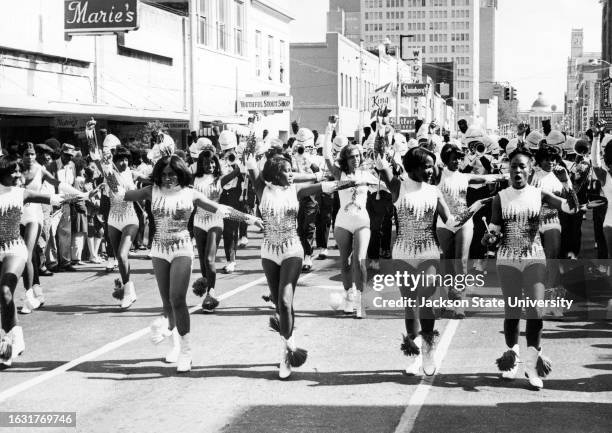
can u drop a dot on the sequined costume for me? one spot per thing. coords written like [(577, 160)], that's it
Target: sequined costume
[(548, 182), (454, 186), (415, 241), (122, 213), (520, 243), (32, 212), (353, 214), (279, 210), (211, 188), (171, 210), (11, 212)]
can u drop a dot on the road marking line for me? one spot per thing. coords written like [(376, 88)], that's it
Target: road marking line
[(417, 399), (4, 395)]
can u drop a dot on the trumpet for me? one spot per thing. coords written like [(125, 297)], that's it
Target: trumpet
[(582, 147)]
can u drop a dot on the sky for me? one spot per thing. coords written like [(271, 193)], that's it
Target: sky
[(532, 40)]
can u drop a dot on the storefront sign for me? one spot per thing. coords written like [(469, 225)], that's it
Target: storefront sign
[(176, 124), (100, 16), (414, 89), (406, 123), (69, 122), (254, 103), (605, 94), (604, 115)]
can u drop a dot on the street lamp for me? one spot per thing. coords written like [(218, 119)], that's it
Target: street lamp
[(398, 90)]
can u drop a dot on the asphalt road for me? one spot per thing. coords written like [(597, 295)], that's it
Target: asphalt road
[(85, 355)]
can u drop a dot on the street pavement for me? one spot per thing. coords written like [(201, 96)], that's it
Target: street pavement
[(85, 355)]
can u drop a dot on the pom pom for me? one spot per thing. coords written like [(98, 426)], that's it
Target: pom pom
[(297, 357), (274, 324), (409, 347), (507, 361), (335, 299), (210, 303), (6, 349), (200, 286), (429, 337), (118, 293), (543, 366)]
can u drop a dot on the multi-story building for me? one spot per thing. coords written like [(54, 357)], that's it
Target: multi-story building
[(344, 17), (340, 77), (581, 89), (444, 30), (50, 86), (488, 8)]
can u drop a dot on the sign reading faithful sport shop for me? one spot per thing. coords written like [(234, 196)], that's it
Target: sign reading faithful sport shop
[(265, 102), (100, 16)]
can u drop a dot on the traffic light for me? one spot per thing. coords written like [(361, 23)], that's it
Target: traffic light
[(506, 93), (513, 94)]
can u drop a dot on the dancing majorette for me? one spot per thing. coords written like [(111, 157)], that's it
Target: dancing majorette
[(352, 227), (122, 218), (172, 202), (281, 250), (13, 252), (521, 263), (417, 202)]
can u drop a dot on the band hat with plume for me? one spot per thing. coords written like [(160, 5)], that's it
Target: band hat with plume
[(474, 134), (227, 140), (569, 144), (512, 146), (199, 146), (276, 143), (555, 138), (339, 142), (304, 138), (68, 149), (261, 147), (110, 142), (412, 143), (533, 140)]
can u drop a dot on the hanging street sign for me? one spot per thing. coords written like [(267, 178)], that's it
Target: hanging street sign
[(100, 16)]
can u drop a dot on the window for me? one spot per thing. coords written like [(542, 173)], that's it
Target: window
[(238, 27), (350, 93), (341, 89), (258, 49), (270, 55), (221, 25), (282, 47), (203, 23)]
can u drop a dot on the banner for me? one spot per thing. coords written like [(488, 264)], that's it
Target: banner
[(413, 90), (100, 16)]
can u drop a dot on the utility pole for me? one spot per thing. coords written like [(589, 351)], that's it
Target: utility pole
[(194, 109)]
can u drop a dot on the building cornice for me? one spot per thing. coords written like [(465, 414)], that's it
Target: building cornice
[(272, 9)]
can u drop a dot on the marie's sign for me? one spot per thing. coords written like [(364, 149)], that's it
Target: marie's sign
[(100, 16)]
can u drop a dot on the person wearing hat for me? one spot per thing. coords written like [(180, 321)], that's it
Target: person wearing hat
[(65, 173), (198, 147), (479, 163), (231, 193), (547, 174), (307, 216)]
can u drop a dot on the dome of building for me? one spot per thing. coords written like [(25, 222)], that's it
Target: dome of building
[(540, 104)]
